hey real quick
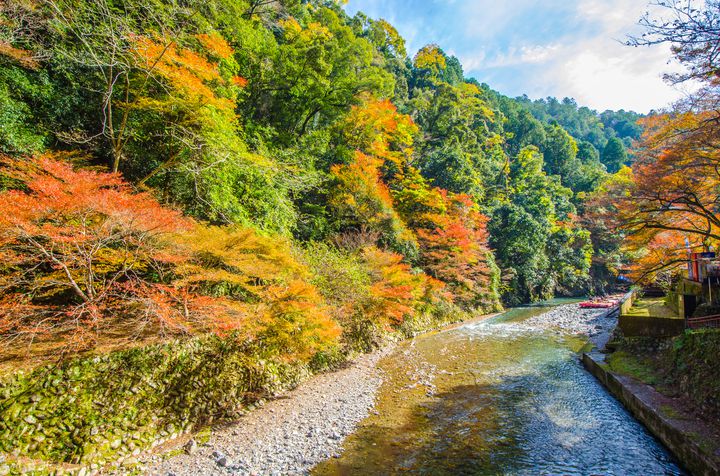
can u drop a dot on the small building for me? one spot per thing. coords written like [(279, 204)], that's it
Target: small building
[(702, 285)]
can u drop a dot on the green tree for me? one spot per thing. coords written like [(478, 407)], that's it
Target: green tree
[(538, 246), (587, 152), (559, 149), (318, 69), (614, 155)]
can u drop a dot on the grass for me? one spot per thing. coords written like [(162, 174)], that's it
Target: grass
[(670, 412), (624, 363), (651, 308)]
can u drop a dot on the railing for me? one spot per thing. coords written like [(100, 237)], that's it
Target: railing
[(626, 302), (705, 321)]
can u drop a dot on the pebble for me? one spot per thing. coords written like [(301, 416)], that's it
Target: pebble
[(190, 447), (291, 435), (220, 458)]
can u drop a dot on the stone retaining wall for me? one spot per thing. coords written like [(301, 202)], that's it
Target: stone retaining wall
[(685, 436), (644, 326), (89, 412)]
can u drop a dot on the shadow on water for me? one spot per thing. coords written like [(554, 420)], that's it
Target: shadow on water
[(496, 398)]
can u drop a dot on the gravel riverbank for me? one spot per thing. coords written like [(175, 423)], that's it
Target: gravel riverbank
[(290, 435), (597, 324)]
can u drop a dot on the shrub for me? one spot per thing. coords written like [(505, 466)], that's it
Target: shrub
[(260, 288)]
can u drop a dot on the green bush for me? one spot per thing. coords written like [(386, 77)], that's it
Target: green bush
[(692, 364)]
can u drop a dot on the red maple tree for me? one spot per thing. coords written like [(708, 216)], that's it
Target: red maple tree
[(79, 246)]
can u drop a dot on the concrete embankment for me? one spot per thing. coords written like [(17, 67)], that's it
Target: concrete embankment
[(688, 438)]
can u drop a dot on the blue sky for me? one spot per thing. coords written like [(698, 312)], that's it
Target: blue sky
[(540, 47)]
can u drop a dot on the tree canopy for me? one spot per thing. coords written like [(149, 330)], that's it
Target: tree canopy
[(275, 127)]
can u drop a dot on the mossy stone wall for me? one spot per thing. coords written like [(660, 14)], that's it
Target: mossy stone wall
[(693, 365), (104, 409)]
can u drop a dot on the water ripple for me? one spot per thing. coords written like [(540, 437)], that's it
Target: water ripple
[(498, 397)]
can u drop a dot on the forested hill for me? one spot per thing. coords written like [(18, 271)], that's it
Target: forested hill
[(370, 183)]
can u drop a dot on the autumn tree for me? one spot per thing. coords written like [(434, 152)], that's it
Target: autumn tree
[(95, 37), (670, 205), (85, 256), (375, 127), (396, 292), (452, 236), (260, 290), (362, 199), (672, 197), (379, 141), (455, 250), (80, 249)]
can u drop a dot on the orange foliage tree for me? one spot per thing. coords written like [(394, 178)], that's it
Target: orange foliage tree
[(378, 129), (260, 290), (397, 292), (362, 199), (193, 93), (382, 141), (453, 237), (384, 190), (80, 246), (84, 255), (672, 206), (669, 204), (198, 77)]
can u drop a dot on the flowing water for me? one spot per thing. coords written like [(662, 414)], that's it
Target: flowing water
[(497, 397)]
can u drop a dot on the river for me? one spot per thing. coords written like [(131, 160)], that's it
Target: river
[(497, 397)]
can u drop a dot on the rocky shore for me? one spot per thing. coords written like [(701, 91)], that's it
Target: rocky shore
[(287, 436), (597, 324)]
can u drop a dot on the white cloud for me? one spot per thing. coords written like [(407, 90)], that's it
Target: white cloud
[(473, 61), (490, 19), (597, 69), (517, 47), (525, 54), (600, 71), (615, 81)]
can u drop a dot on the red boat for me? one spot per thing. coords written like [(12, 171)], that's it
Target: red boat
[(597, 304)]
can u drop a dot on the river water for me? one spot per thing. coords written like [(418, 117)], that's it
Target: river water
[(497, 397)]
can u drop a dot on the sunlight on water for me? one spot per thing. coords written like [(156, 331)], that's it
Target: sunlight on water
[(497, 397)]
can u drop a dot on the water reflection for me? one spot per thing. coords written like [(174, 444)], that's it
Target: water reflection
[(497, 397)]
